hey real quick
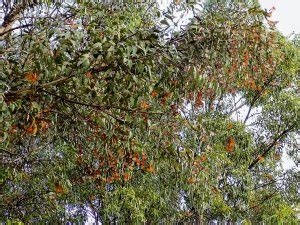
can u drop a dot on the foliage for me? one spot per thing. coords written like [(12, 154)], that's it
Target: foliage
[(106, 110)]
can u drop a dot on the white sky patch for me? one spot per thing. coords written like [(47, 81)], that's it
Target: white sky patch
[(287, 13)]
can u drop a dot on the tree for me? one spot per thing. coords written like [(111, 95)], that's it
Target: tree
[(106, 110)]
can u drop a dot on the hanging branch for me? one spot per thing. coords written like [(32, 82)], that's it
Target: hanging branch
[(266, 151)]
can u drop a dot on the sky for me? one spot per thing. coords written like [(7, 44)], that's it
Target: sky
[(287, 12)]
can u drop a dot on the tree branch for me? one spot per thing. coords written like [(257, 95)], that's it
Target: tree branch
[(265, 152), (99, 107), (268, 197), (54, 82), (30, 90), (256, 97), (13, 16), (7, 151), (12, 29)]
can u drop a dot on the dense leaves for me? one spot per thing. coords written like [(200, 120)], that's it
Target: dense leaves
[(108, 112)]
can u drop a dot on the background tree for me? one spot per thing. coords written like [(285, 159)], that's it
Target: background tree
[(106, 110)]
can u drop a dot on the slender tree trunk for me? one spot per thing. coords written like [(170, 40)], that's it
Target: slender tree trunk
[(197, 219)]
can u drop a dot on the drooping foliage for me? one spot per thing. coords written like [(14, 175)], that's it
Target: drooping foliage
[(108, 112)]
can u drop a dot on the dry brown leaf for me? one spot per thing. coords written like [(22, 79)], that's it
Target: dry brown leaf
[(31, 77), (145, 105)]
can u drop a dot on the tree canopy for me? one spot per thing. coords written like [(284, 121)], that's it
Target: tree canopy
[(124, 113)]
